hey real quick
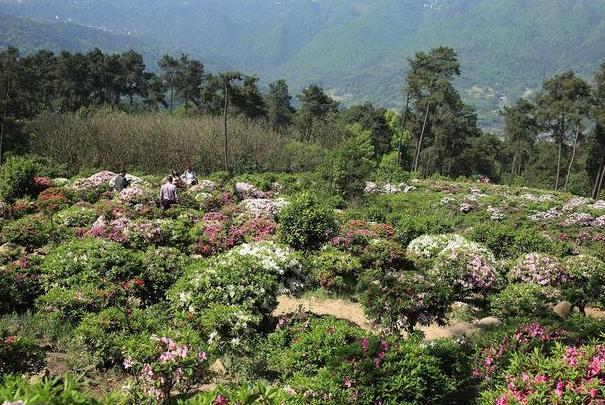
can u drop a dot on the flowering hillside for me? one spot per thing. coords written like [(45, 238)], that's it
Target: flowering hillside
[(178, 305)]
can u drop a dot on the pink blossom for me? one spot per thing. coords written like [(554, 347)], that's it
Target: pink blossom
[(502, 400), (365, 344), (147, 372), (560, 388), (202, 356), (220, 400), (127, 362), (347, 383)]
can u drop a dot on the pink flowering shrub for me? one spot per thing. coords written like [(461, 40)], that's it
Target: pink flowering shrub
[(567, 375), (490, 360), (165, 366), (133, 195), (218, 234), (466, 271), (539, 269), (259, 229), (586, 281)]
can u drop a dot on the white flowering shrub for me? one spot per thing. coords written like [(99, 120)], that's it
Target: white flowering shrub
[(248, 277), (425, 249), (540, 269)]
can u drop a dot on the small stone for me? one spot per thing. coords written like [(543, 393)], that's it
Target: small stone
[(563, 309), (218, 367), (489, 322)]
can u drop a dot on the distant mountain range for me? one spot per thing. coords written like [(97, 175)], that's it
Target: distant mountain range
[(355, 48)]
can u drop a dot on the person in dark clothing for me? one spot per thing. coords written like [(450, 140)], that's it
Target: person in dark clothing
[(168, 194), (121, 182)]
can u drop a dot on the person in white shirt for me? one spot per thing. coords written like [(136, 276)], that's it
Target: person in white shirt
[(168, 194), (189, 176)]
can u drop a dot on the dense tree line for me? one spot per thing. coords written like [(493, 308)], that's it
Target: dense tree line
[(555, 139)]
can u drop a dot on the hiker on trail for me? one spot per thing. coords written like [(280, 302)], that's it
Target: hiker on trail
[(189, 176), (168, 195), (121, 182)]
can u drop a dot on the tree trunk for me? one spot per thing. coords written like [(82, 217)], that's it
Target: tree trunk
[(600, 179), (600, 170), (561, 136), (512, 172), (558, 166), (573, 156), (405, 117), (225, 127), (171, 97), (419, 146)]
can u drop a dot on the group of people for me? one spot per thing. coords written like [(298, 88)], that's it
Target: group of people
[(170, 184)]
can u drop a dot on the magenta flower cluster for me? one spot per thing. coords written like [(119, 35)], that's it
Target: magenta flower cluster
[(539, 269)]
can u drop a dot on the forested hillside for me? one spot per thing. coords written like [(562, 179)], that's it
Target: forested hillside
[(357, 48), (57, 36)]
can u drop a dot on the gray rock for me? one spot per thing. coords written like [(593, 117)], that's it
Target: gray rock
[(489, 322), (563, 309)]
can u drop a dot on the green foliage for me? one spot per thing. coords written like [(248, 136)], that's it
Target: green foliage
[(160, 268), (19, 284), (49, 391), (585, 281), (508, 241), (306, 223), (76, 216), (74, 303), (80, 262), (400, 300), (17, 178), (256, 394), (334, 270), (18, 353), (32, 231), (523, 300)]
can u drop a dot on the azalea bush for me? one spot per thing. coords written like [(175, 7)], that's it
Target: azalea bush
[(17, 178), (465, 271), (18, 353), (97, 261), (585, 281), (165, 365), (160, 268), (32, 231), (306, 223), (400, 300), (80, 215), (423, 250), (538, 269), (524, 300), (20, 284), (334, 270), (73, 303), (510, 241), (247, 277)]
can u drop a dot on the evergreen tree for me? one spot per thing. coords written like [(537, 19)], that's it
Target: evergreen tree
[(279, 105), (315, 105), (521, 129)]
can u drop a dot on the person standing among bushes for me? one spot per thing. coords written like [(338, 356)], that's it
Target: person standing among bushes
[(189, 176), (168, 195), (121, 182)]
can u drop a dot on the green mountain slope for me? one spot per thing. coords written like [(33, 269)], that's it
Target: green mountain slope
[(31, 35), (358, 48)]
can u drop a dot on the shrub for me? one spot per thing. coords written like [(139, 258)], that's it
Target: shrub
[(465, 271), (95, 261), (415, 224), (49, 391), (165, 365), (76, 216), (507, 240), (423, 250), (17, 176), (329, 360), (567, 375), (383, 254), (523, 300), (246, 277), (160, 268), (32, 231), (105, 334), (334, 270), (585, 281), (249, 394), (19, 284), (400, 300), (18, 353), (74, 303), (538, 269), (175, 233), (305, 223)]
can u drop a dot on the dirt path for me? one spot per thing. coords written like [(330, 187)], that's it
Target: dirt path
[(353, 312)]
